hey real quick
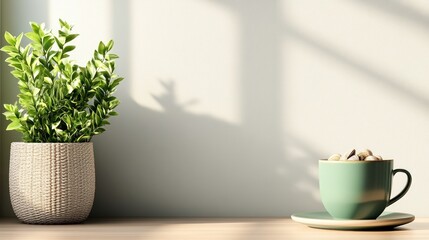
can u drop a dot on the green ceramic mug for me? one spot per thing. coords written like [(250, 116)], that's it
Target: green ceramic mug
[(358, 189)]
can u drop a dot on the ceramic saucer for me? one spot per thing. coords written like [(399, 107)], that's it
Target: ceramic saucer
[(324, 220)]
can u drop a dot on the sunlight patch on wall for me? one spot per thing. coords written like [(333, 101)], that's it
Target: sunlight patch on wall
[(91, 20), (185, 54)]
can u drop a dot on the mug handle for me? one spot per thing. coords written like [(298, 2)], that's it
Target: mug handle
[(405, 190)]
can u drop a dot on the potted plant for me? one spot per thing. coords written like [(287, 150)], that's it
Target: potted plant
[(61, 107)]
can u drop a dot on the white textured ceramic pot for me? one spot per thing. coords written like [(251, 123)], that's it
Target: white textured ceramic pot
[(52, 183)]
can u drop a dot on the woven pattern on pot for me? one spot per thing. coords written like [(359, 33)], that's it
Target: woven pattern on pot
[(52, 183)]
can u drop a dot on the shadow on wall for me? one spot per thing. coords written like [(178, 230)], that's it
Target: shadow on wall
[(174, 163), (398, 9)]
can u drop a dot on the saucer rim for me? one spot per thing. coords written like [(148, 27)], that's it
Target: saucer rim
[(353, 223)]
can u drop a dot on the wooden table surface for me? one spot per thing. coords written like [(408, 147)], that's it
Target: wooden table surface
[(165, 229)]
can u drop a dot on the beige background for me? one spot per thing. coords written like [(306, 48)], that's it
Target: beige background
[(228, 104)]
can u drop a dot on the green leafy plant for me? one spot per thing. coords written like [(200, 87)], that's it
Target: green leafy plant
[(59, 101)]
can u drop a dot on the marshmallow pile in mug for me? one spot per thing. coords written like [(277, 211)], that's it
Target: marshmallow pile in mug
[(365, 155)]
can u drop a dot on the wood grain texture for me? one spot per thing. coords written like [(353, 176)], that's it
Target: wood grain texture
[(165, 229)]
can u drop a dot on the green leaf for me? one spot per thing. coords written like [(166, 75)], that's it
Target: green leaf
[(68, 48), (14, 126), (110, 45), (47, 80), (70, 37), (98, 63), (35, 27), (26, 50), (115, 83), (23, 85), (84, 138), (113, 104), (33, 37), (18, 40), (9, 107), (36, 91), (17, 73), (113, 56), (99, 131), (63, 33), (97, 119), (97, 55), (48, 43), (65, 24), (18, 66), (42, 30), (10, 115), (76, 83), (9, 38), (60, 41), (9, 49), (91, 69), (59, 131), (69, 88), (55, 125), (101, 48)]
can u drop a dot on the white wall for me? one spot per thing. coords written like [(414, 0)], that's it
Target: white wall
[(228, 104)]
